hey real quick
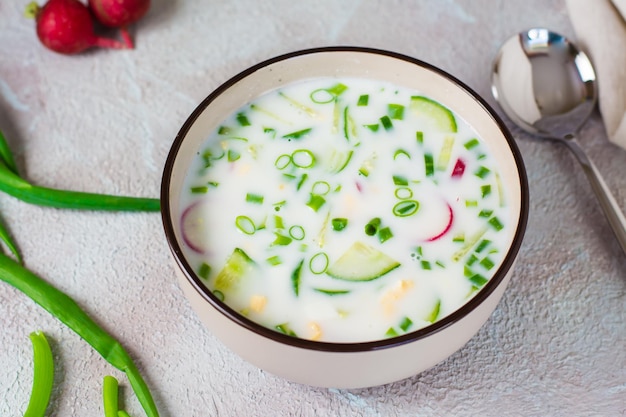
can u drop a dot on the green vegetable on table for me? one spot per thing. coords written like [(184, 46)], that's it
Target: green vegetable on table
[(57, 303)]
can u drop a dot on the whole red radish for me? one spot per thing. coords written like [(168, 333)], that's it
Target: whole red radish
[(119, 14), (65, 26)]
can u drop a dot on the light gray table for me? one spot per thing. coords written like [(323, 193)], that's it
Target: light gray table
[(104, 121)]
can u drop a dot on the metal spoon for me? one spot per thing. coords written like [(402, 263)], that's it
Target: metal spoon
[(548, 87)]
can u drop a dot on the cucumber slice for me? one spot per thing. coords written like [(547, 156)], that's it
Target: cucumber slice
[(362, 262), (238, 266), (439, 114)]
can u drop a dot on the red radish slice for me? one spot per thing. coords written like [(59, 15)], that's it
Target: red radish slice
[(194, 227), (65, 26), (459, 169), (448, 226)]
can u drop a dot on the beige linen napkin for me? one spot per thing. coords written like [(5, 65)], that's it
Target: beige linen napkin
[(600, 27)]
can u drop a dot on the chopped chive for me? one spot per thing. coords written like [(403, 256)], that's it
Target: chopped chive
[(285, 329), (398, 180), (478, 280), (386, 122), (485, 190), (242, 119), (371, 228), (405, 324), (331, 292), (401, 152), (419, 137), (487, 263), (384, 234), (200, 189), (434, 313), (395, 111), (363, 100), (339, 223), (391, 332), (316, 201), (318, 263), (295, 278), (373, 127), (303, 178), (298, 134), (482, 245), (429, 164), (245, 224), (495, 222), (472, 143), (233, 155), (281, 240), (406, 208), (425, 265), (303, 158), (254, 198), (482, 172), (204, 271), (485, 213), (296, 232), (274, 260)]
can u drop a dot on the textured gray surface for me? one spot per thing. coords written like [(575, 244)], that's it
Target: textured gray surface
[(104, 121)]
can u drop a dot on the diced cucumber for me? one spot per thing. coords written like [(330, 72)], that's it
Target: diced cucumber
[(362, 262), (441, 115), (238, 266)]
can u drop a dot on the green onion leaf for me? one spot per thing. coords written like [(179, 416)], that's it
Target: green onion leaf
[(339, 223), (373, 127), (496, 223), (419, 137), (406, 208), (405, 324), (429, 164), (285, 329), (331, 292), (386, 122), (110, 396), (254, 198), (298, 134), (233, 155), (204, 271), (281, 240), (242, 119), (363, 100), (401, 152), (274, 260), (43, 377), (295, 278), (316, 201), (472, 143), (398, 180), (395, 111), (434, 313), (485, 190), (384, 234)]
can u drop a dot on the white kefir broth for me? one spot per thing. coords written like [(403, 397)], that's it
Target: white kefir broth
[(434, 277)]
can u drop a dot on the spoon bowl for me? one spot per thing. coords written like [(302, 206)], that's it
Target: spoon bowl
[(548, 87)]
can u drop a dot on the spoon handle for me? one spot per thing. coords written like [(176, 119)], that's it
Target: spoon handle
[(608, 203)]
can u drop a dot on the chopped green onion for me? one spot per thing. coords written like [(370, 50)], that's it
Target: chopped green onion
[(337, 89), (419, 137), (405, 324), (254, 198), (482, 172), (471, 203), (318, 263), (403, 193), (363, 100), (296, 232), (303, 158), (425, 265), (296, 279), (472, 143), (495, 222), (373, 127), (401, 152), (202, 189), (331, 292), (485, 213), (224, 130), (459, 238), (242, 119), (339, 223), (43, 376), (386, 122), (285, 329), (434, 313), (482, 245), (245, 224), (298, 134), (204, 271), (429, 164), (270, 131), (320, 188), (406, 208), (371, 228), (395, 111), (110, 396), (398, 180), (478, 280), (278, 222), (281, 240), (384, 234), (471, 260), (322, 96), (279, 205), (391, 332), (487, 263), (233, 155), (274, 260), (282, 161), (303, 178), (468, 245), (485, 190), (218, 294)]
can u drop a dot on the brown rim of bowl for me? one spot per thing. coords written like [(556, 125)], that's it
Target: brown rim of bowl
[(439, 325)]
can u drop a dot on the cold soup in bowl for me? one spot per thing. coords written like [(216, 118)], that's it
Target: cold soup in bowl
[(335, 209)]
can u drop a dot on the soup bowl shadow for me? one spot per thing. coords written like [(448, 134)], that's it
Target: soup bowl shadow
[(327, 364)]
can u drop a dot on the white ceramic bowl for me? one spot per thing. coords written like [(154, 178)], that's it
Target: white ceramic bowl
[(343, 365)]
